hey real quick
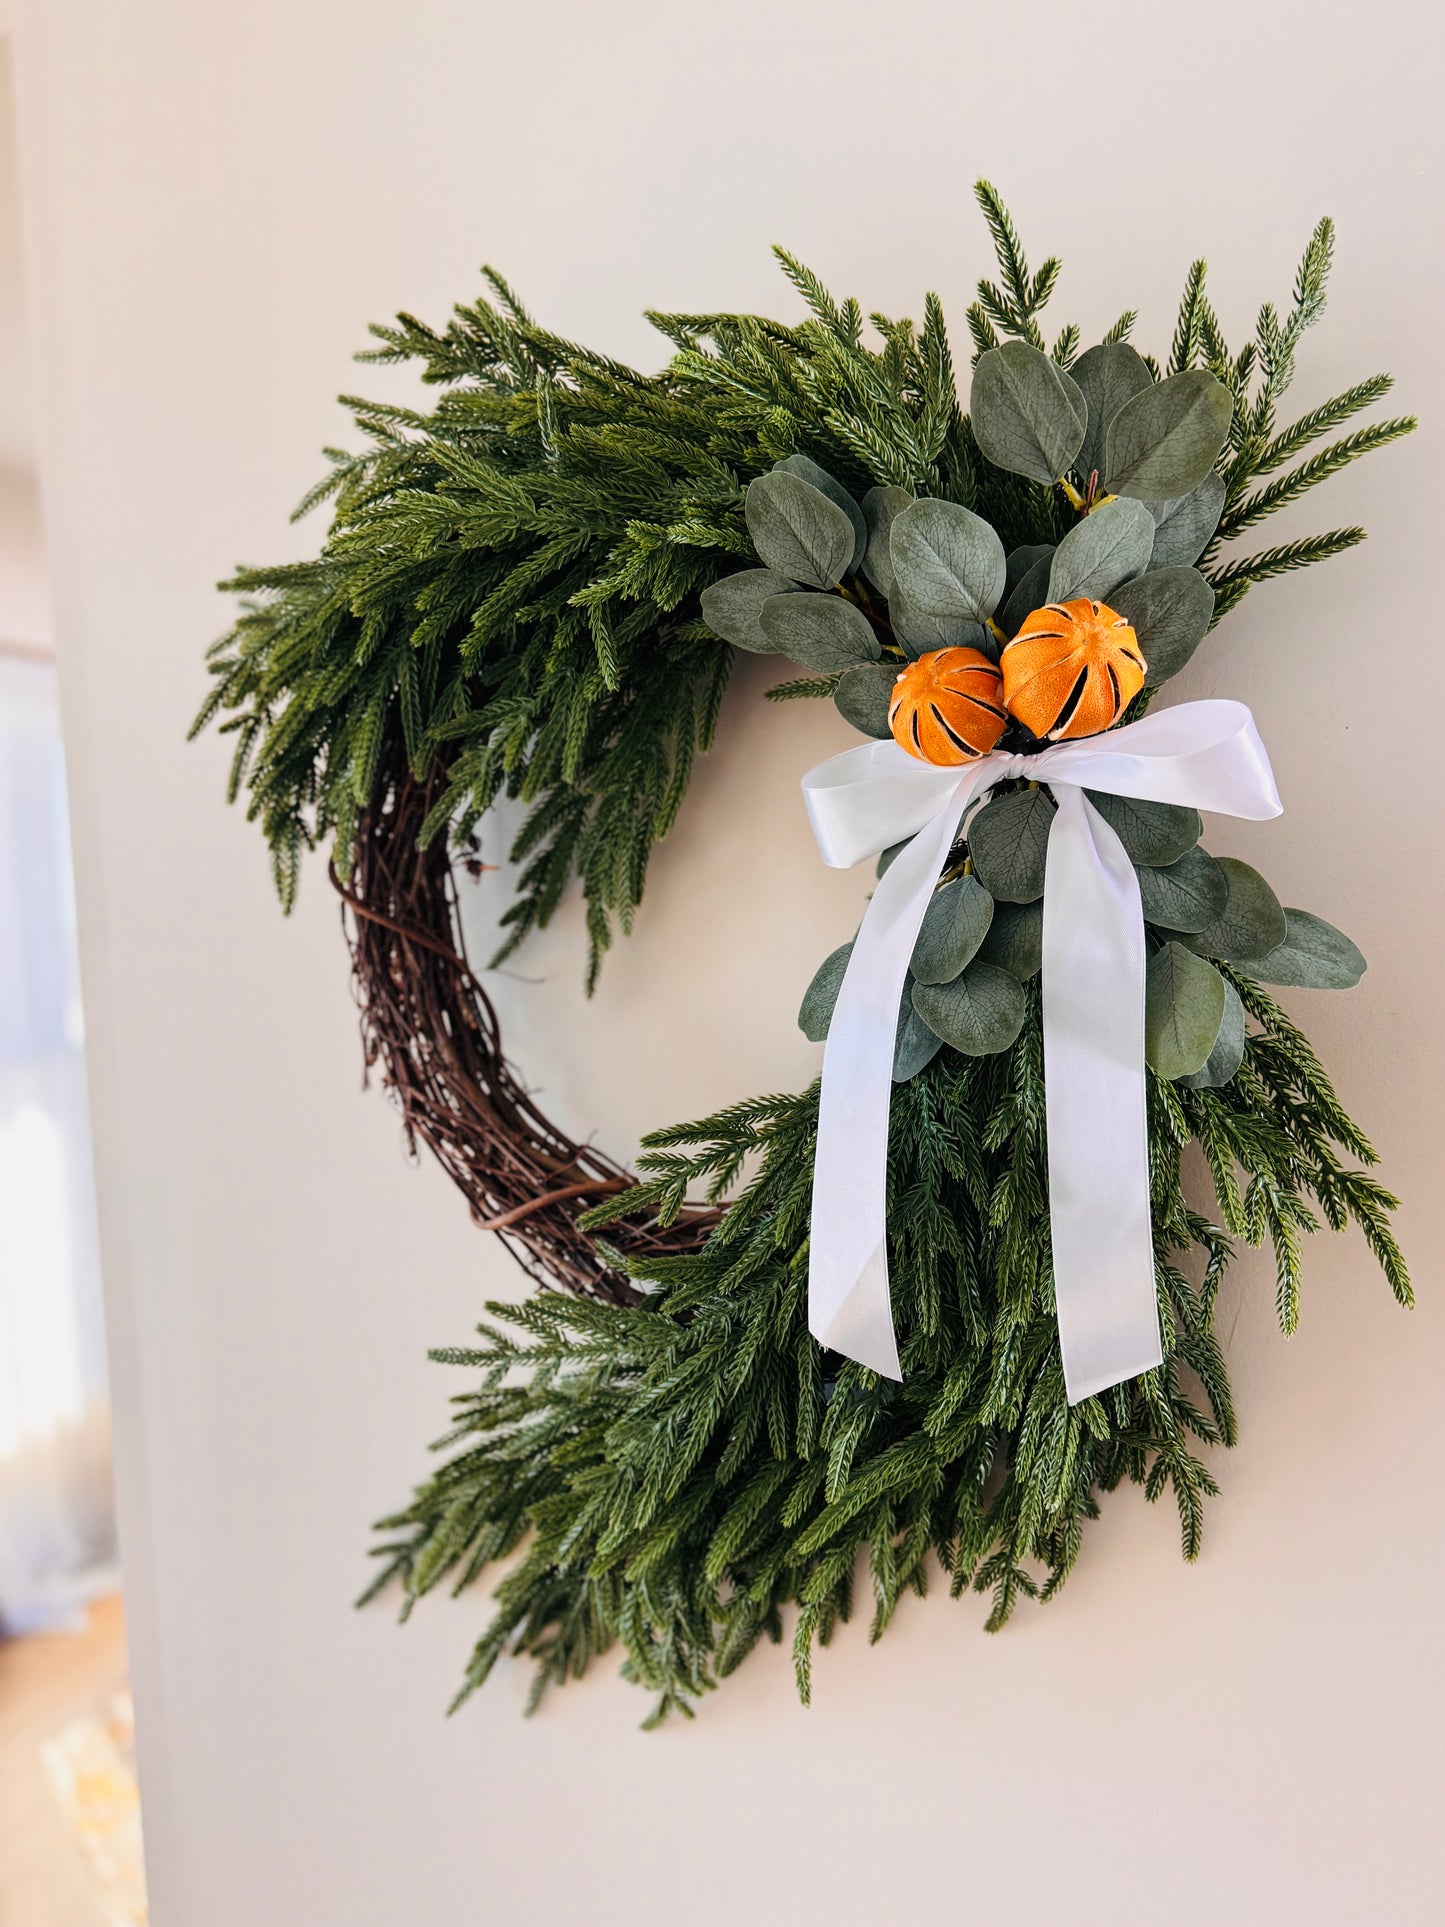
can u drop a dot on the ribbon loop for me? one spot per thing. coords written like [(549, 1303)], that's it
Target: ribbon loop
[(1205, 754)]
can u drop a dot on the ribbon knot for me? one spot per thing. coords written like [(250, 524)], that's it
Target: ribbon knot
[(1206, 755)]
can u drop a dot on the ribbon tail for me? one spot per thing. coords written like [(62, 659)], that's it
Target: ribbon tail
[(849, 1308), (860, 1324), (1097, 1116)]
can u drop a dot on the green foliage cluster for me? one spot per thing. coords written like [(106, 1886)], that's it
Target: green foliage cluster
[(981, 941), (859, 589), (511, 579), (678, 1477), (511, 587), (1257, 377)]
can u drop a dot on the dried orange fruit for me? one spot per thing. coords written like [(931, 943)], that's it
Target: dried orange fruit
[(1072, 669), (948, 706)]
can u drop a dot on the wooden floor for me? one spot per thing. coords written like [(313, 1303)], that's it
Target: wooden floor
[(45, 1682)]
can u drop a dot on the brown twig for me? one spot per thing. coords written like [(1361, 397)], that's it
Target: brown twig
[(428, 1023), (588, 1188)]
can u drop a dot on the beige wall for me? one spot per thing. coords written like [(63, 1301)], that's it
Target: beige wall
[(218, 200), (24, 593)]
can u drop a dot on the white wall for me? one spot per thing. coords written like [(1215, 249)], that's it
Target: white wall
[(24, 590), (16, 435), (218, 200)]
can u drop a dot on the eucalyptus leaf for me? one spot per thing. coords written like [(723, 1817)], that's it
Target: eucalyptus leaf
[(731, 606), (948, 561), (863, 696), (916, 633), (979, 1013), (886, 857), (1032, 593), (1153, 833), (954, 925), (1027, 415), (798, 531), (826, 484), (1170, 610), (1313, 956), (816, 1011), (1186, 524), (880, 506), (1015, 940), (1102, 552), (818, 631), (1228, 1052), (1165, 440), (1108, 376), (1183, 1011), (1187, 895), (914, 1043), (1009, 841), (1252, 923), (1020, 561)]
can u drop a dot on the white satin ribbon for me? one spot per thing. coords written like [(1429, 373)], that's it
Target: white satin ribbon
[(1207, 755)]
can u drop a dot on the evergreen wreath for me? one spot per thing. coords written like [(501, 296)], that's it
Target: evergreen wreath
[(530, 591)]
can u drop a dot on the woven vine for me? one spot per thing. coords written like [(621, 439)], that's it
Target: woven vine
[(428, 1023)]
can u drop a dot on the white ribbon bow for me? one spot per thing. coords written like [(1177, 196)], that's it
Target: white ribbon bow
[(1205, 754)]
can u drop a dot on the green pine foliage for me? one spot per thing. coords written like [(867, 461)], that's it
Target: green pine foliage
[(511, 579), (1259, 376), (690, 1477), (510, 586)]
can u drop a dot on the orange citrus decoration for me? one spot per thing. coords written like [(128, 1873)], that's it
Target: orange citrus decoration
[(1072, 669), (948, 706)]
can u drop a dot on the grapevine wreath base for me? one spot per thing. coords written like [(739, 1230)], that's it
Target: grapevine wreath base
[(427, 1020), (532, 589)]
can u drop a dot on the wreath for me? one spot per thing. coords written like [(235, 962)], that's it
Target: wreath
[(535, 589)]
